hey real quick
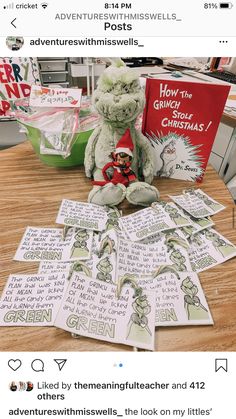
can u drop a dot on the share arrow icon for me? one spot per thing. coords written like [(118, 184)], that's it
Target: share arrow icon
[(60, 363)]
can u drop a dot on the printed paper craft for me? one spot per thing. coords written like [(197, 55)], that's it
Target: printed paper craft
[(150, 221), (122, 233), (84, 266), (179, 301), (47, 267), (146, 260), (197, 203), (159, 237), (82, 215), (208, 201), (41, 96), (198, 224), (177, 251), (32, 300), (104, 257), (181, 120), (209, 248), (101, 266), (177, 216), (90, 308), (139, 259), (48, 244)]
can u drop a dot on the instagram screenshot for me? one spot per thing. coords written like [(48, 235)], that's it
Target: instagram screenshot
[(117, 215)]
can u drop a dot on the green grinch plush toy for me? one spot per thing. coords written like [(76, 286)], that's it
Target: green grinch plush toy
[(118, 157)]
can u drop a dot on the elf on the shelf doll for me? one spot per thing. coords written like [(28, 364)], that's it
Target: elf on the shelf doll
[(121, 164)]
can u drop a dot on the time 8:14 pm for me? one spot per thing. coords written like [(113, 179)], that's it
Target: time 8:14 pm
[(118, 5)]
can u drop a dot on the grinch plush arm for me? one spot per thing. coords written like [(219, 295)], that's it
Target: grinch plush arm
[(89, 159), (104, 170), (147, 157)]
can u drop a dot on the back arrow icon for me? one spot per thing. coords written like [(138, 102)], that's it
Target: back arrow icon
[(12, 22)]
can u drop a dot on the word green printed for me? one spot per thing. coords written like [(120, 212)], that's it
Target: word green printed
[(166, 315), (39, 255), (81, 223), (152, 229), (31, 316), (90, 326), (203, 262)]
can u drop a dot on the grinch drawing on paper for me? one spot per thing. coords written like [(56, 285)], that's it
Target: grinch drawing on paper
[(176, 157), (207, 201), (226, 249), (113, 219), (175, 215), (173, 240), (178, 260), (104, 268), (79, 248), (193, 306), (197, 239), (173, 212), (200, 224), (137, 329), (203, 222)]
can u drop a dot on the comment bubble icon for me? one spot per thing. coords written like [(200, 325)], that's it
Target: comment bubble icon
[(37, 365)]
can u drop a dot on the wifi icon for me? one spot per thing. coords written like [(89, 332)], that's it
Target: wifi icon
[(44, 5)]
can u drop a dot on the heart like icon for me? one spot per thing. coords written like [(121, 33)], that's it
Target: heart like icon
[(14, 364)]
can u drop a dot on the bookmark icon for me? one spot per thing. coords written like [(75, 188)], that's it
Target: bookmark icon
[(221, 363)]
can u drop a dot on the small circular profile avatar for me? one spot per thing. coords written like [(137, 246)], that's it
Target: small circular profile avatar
[(13, 386), (29, 386), (14, 43), (22, 386)]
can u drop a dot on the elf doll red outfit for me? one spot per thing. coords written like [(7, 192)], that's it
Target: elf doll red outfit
[(121, 164)]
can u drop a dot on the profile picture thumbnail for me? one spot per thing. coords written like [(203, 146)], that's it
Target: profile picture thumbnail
[(21, 386), (14, 43), (13, 386)]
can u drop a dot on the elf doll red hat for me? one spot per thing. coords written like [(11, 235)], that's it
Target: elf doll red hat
[(125, 144)]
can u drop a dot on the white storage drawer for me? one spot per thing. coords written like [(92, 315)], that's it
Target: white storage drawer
[(53, 65), (56, 77)]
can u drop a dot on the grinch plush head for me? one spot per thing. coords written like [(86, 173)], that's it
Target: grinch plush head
[(119, 97)]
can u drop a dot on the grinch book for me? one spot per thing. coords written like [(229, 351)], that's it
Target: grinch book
[(180, 120)]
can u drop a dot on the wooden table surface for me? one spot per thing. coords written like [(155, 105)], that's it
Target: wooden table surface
[(30, 195)]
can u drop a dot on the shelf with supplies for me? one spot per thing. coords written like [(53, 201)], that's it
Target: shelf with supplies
[(54, 71)]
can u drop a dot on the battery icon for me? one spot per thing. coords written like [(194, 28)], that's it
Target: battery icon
[(226, 5)]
